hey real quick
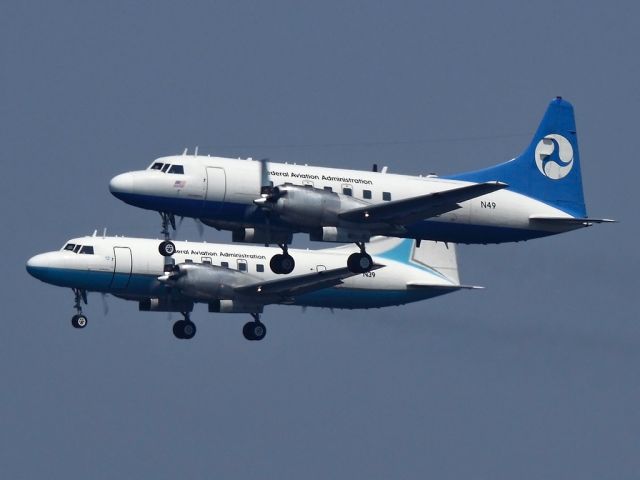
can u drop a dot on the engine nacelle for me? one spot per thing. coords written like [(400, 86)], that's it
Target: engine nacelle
[(308, 206), (233, 306), (338, 234), (164, 305), (262, 235), (203, 282)]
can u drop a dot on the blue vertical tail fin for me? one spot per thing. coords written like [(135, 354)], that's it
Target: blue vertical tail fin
[(549, 169)]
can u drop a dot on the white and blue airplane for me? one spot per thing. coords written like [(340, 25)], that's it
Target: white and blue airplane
[(233, 279), (536, 194)]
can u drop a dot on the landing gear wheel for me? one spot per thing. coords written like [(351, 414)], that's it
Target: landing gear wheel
[(188, 330), (254, 330), (177, 329), (166, 248), (359, 262), (184, 329), (282, 263), (79, 321)]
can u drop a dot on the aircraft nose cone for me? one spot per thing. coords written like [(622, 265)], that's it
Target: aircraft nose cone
[(36, 264), (122, 183)]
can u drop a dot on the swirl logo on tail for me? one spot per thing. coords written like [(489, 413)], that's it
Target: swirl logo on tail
[(554, 156)]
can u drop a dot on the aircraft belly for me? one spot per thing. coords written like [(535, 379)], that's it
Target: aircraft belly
[(364, 298), (468, 233)]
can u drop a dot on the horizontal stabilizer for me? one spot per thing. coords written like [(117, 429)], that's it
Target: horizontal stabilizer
[(449, 287), (569, 221), (408, 210), (291, 286)]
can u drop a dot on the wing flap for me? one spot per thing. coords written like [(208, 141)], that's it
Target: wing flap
[(401, 212)]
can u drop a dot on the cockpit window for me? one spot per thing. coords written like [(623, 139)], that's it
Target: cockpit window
[(166, 167), (157, 166), (77, 248), (70, 246), (87, 249), (177, 169)]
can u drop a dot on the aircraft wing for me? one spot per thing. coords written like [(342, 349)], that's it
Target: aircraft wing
[(408, 210), (290, 286)]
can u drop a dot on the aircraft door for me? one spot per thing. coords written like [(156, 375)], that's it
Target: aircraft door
[(216, 188), (122, 267)]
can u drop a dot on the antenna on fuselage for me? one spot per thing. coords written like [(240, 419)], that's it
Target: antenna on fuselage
[(95, 232), (196, 152), (185, 151), (104, 232)]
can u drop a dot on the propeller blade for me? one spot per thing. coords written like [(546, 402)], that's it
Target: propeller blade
[(105, 304), (200, 227)]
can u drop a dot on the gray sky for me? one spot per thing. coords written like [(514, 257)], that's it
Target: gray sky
[(535, 377)]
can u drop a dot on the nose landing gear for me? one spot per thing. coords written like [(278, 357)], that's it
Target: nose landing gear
[(79, 320), (167, 248)]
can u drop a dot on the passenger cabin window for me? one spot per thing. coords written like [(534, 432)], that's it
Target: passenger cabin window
[(157, 166), (177, 169), (328, 189), (87, 250), (166, 167), (70, 246), (386, 196), (225, 264), (206, 260), (242, 265), (366, 194), (259, 268), (347, 191)]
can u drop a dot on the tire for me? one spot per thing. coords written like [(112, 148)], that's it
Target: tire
[(188, 330), (79, 321), (247, 331), (167, 248), (359, 262), (287, 264), (177, 329), (275, 263)]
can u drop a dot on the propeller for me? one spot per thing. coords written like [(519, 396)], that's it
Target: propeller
[(269, 195), (105, 304), (199, 227)]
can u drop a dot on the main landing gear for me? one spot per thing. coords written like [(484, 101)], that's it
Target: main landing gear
[(255, 330), (184, 329), (360, 262), (282, 263), (79, 320)]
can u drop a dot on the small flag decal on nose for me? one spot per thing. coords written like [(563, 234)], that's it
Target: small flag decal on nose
[(179, 184)]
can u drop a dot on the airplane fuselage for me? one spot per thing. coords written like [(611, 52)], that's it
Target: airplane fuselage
[(130, 268), (222, 192)]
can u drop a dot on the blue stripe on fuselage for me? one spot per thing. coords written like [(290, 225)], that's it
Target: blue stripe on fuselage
[(188, 207), (361, 298), (97, 281), (148, 285), (249, 214)]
